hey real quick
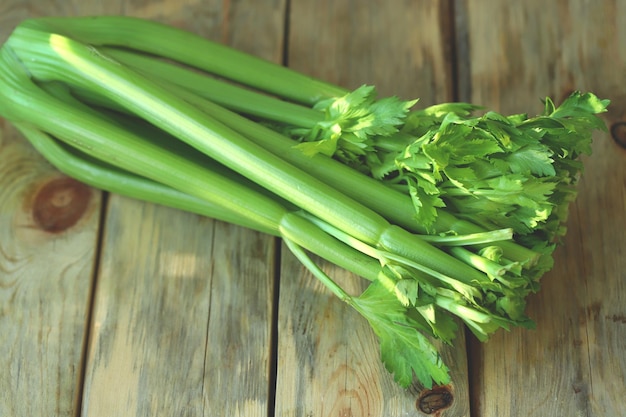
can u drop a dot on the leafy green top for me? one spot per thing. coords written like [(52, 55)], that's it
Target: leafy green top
[(494, 170), (351, 122), (404, 348)]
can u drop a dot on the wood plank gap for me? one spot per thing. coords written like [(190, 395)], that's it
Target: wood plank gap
[(473, 371), (461, 91), (461, 85), (588, 272), (208, 324), (273, 356), (286, 30), (449, 23), (91, 303)]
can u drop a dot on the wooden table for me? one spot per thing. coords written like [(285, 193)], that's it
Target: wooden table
[(113, 307)]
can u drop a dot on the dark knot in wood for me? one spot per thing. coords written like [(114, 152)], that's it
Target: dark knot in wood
[(60, 203), (434, 400), (618, 132)]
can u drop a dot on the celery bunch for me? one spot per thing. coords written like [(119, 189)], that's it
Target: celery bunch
[(413, 201)]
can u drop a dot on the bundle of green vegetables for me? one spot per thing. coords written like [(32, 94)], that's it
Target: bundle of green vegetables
[(451, 216)]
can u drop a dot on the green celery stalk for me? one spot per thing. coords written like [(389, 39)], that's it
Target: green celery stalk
[(392, 204), (396, 207), (81, 129), (110, 178), (107, 177), (215, 199), (141, 36), (182, 46), (229, 95), (39, 50)]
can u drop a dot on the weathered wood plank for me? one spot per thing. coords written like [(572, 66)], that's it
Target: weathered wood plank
[(403, 48), (181, 316), (573, 364), (48, 237), (329, 361), (183, 306), (152, 300)]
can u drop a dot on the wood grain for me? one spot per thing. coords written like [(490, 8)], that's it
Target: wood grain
[(404, 48), (49, 244), (573, 364), (48, 235), (149, 326), (329, 361), (181, 316)]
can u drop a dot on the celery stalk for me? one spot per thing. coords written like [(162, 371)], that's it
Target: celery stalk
[(38, 49), (178, 45), (393, 205), (110, 178), (109, 142), (229, 95)]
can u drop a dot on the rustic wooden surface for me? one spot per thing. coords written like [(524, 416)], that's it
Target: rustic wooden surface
[(112, 307)]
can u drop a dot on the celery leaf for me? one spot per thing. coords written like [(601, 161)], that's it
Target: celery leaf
[(404, 349)]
